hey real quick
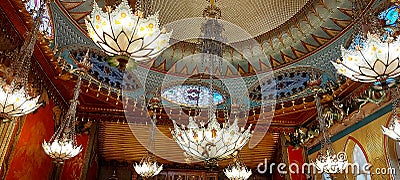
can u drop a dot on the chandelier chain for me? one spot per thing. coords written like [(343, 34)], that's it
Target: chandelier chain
[(394, 98), (152, 131), (66, 131), (67, 127), (326, 141), (145, 7), (22, 59)]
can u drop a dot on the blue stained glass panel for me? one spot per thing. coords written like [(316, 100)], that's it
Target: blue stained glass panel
[(33, 6), (192, 96)]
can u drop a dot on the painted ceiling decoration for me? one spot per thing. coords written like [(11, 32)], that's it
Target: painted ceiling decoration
[(311, 25), (290, 49), (310, 36), (179, 61)]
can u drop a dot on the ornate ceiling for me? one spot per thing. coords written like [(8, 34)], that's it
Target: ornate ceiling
[(274, 46), (255, 17)]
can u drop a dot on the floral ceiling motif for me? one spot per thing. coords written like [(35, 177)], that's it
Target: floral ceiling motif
[(289, 37)]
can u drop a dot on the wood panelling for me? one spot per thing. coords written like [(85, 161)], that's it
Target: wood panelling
[(123, 142)]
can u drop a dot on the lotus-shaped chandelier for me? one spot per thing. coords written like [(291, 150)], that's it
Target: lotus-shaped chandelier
[(63, 145), (17, 95), (237, 170), (210, 143), (16, 102), (376, 61), (125, 35), (61, 150), (327, 161), (393, 131), (331, 163), (148, 167)]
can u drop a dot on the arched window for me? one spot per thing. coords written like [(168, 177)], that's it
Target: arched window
[(361, 160), (326, 176)]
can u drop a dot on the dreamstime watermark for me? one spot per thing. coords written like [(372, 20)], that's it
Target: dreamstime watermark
[(311, 168)]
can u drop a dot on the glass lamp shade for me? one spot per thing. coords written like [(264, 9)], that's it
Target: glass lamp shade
[(120, 32), (237, 172), (376, 60), (393, 131), (330, 163), (16, 102), (61, 150), (147, 168), (211, 142)]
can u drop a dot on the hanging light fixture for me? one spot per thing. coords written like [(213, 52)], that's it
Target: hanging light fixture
[(17, 95), (373, 56), (148, 166), (125, 35), (209, 142), (62, 145), (376, 59), (327, 161), (237, 170)]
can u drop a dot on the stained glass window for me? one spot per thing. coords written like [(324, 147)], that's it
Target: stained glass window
[(192, 95), (33, 6), (361, 160), (390, 16)]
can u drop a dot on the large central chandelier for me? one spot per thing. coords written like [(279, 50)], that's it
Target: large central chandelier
[(17, 95), (62, 145), (208, 141), (148, 166), (125, 35), (327, 161)]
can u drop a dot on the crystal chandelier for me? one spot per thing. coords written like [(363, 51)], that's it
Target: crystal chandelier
[(17, 95), (237, 170), (62, 145), (148, 166), (209, 142), (327, 160), (125, 35)]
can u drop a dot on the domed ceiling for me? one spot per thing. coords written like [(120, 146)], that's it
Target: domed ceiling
[(285, 32), (274, 48), (264, 40), (255, 17)]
